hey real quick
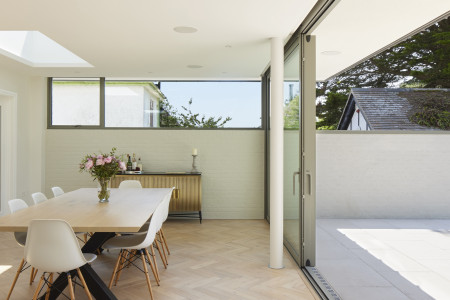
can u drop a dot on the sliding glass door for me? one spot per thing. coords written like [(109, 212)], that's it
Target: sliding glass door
[(292, 188)]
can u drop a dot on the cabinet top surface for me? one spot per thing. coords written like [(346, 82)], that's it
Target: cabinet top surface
[(162, 173)]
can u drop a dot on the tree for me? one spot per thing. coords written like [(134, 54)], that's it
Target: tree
[(421, 61), (330, 112), (291, 113), (187, 119)]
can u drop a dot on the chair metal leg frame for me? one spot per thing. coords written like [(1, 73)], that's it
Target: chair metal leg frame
[(49, 282), (22, 267), (129, 257), (164, 240)]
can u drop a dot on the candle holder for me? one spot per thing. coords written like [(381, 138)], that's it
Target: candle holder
[(194, 167)]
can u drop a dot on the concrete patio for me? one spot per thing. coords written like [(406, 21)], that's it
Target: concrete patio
[(385, 258)]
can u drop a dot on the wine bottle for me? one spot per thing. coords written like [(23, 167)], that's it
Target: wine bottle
[(129, 164)]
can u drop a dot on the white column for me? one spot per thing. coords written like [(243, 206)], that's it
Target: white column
[(276, 153)]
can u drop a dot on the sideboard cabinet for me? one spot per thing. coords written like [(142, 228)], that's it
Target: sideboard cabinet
[(186, 197)]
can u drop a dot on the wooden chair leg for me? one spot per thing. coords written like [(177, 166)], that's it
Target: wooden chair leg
[(154, 260), (126, 254), (146, 274), (163, 248), (69, 280), (150, 261), (49, 286), (160, 254), (86, 289), (31, 275), (38, 287), (164, 239), (19, 270), (35, 273), (119, 257)]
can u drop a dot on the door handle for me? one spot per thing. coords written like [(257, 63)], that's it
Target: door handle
[(295, 174), (309, 182)]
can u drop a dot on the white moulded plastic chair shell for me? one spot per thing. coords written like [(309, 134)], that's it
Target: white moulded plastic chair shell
[(16, 205), (57, 191), (130, 184), (38, 197), (162, 239), (140, 243), (52, 247)]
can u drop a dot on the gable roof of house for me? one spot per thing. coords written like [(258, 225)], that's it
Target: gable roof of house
[(388, 109)]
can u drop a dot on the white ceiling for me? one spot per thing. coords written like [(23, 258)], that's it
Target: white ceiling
[(358, 28), (135, 39)]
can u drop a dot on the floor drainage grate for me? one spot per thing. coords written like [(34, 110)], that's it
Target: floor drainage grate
[(326, 288)]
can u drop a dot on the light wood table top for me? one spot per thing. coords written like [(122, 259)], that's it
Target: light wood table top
[(126, 211)]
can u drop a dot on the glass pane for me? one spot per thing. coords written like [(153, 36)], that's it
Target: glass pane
[(76, 101), (291, 155), (132, 104), (212, 104)]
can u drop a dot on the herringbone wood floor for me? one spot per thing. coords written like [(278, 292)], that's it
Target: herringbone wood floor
[(219, 259)]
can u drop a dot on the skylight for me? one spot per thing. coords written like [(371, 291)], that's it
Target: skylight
[(37, 50)]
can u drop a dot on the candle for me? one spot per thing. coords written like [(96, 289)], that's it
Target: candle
[(194, 151)]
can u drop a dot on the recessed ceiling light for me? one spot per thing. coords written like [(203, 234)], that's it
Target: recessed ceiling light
[(227, 46), (331, 52), (194, 66), (185, 29)]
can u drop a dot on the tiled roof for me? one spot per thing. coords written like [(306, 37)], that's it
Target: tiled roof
[(388, 109)]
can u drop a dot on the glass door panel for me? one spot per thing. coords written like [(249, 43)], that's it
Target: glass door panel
[(291, 190)]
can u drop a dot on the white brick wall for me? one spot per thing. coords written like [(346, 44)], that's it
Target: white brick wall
[(231, 162)]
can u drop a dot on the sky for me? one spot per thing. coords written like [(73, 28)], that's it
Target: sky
[(239, 100)]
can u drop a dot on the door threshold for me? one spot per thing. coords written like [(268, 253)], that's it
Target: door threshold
[(320, 284)]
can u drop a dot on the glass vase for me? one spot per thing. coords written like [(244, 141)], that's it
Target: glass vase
[(104, 185)]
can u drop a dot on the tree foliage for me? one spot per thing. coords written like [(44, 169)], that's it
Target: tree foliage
[(330, 111), (170, 117), (421, 61), (292, 113)]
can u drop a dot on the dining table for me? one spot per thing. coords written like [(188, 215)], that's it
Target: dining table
[(126, 211)]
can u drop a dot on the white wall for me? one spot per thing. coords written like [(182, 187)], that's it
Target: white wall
[(383, 175), (232, 162), (30, 123)]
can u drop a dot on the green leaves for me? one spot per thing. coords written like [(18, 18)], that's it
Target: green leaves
[(188, 119)]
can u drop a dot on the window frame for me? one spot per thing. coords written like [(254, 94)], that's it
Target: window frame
[(102, 126)]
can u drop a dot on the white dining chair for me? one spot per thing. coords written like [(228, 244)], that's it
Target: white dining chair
[(38, 197), (160, 232), (130, 184), (134, 246), (14, 206), (57, 191), (52, 247)]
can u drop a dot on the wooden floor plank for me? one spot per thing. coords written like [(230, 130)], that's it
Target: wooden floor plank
[(219, 259)]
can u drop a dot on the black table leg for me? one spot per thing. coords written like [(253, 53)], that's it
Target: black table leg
[(95, 284)]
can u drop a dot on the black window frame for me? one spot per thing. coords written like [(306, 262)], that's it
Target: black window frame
[(102, 107)]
